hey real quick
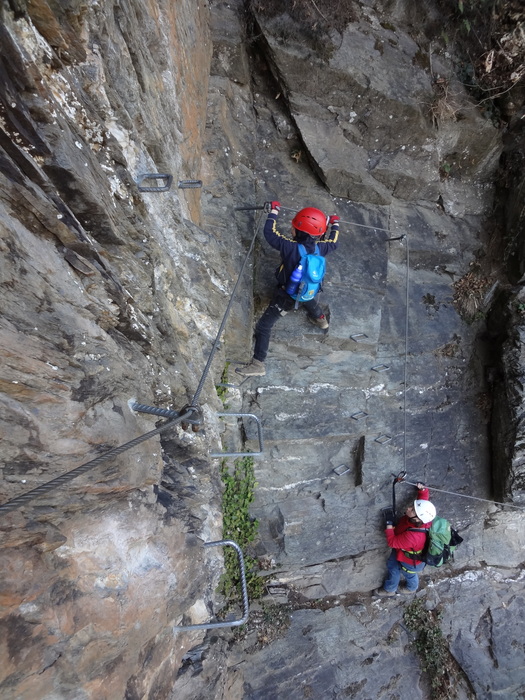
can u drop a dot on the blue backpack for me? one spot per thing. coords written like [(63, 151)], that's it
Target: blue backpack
[(314, 268)]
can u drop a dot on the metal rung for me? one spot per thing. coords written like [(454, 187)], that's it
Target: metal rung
[(243, 454), (359, 337), (245, 605), (383, 439), (168, 179), (358, 415), (380, 368), (189, 184), (341, 469)]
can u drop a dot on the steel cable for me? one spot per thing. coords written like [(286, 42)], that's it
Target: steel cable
[(405, 371), (342, 221), (19, 501), (49, 486), (463, 495), (15, 503), (197, 394)]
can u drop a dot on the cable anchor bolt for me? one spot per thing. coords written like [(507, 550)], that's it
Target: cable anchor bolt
[(195, 420)]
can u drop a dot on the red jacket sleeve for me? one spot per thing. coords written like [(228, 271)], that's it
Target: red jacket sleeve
[(407, 540)]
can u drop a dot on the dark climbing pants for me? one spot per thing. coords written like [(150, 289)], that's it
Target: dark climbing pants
[(279, 306)]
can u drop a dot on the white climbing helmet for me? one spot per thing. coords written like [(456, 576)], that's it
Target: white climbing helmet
[(425, 511)]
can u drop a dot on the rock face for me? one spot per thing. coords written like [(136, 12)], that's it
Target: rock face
[(106, 295), (111, 293), (361, 396)]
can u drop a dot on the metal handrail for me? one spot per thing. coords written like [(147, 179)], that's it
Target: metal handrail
[(245, 604)]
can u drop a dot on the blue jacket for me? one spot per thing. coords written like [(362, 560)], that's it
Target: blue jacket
[(289, 248)]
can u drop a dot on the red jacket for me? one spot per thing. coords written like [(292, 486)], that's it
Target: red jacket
[(402, 540)]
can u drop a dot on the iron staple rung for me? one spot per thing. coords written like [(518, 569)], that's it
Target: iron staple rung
[(167, 413), (358, 415), (383, 439), (244, 588), (259, 435), (189, 184), (341, 469), (154, 176)]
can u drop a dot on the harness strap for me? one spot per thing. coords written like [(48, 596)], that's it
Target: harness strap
[(411, 553), (409, 571)]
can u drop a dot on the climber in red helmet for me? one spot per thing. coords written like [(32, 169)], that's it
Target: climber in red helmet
[(308, 230)]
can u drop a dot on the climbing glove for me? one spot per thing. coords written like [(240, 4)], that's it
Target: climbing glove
[(334, 219), (275, 205)]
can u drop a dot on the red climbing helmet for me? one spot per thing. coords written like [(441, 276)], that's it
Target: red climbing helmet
[(311, 221)]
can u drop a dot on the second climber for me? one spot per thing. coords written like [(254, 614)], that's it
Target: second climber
[(308, 227), (407, 541)]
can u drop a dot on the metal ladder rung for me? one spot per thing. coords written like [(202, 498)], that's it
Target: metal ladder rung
[(155, 177), (259, 435), (245, 604)]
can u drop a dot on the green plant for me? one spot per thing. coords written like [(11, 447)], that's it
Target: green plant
[(431, 647), (239, 487), (445, 169), (222, 391)]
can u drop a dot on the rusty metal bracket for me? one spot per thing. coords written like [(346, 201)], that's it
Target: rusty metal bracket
[(245, 604)]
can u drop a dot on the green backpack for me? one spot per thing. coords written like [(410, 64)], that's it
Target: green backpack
[(442, 541)]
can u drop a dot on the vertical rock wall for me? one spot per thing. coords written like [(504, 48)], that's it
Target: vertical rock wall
[(344, 120), (108, 293)]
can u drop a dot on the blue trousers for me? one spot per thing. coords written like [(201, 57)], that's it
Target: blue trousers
[(396, 568), (279, 306)]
